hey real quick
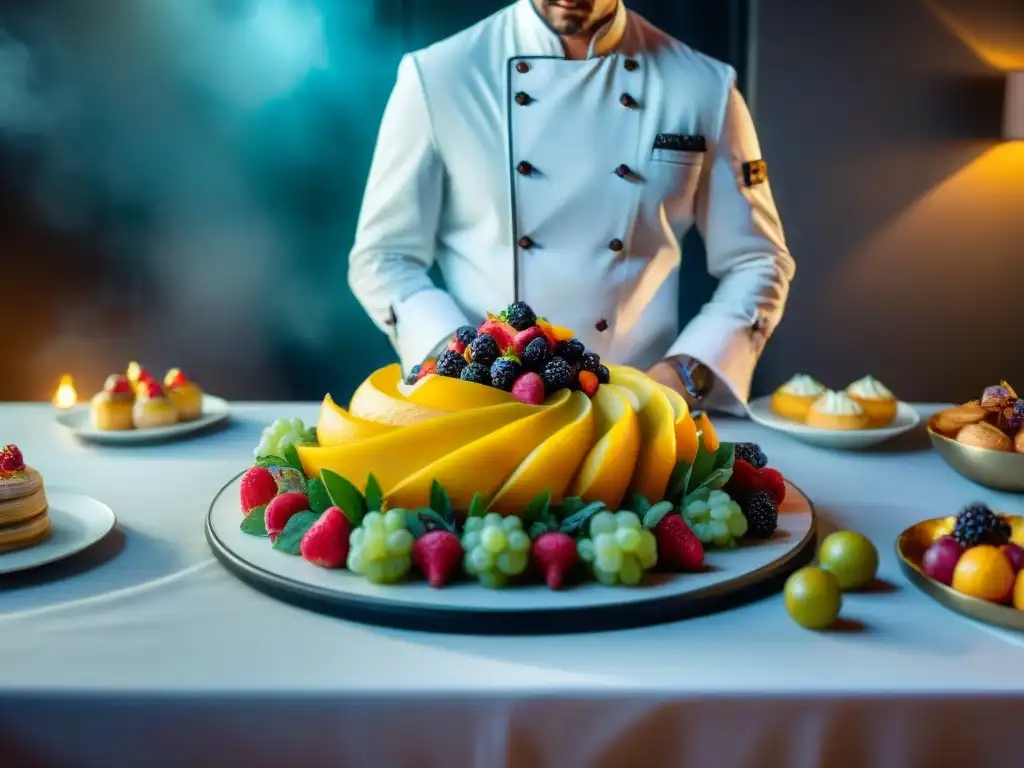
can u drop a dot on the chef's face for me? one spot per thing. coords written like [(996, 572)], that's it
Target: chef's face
[(574, 17)]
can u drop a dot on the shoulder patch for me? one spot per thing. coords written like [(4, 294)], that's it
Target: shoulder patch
[(755, 172)]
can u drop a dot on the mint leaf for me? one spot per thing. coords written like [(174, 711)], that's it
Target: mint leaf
[(578, 520), (291, 455), (478, 506), (415, 525), (716, 480), (537, 530), (267, 462), (441, 503), (537, 509), (703, 465), (289, 539), (637, 503), (433, 521), (679, 480), (657, 513), (254, 523), (344, 495), (570, 506), (319, 499), (725, 456), (374, 496)]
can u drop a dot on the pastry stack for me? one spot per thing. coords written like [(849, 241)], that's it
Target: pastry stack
[(24, 518)]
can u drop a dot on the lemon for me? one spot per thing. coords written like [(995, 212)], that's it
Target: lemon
[(984, 572), (605, 472), (851, 557), (813, 598), (687, 442), (378, 399), (336, 426)]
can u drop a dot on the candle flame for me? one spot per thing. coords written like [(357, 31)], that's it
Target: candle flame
[(65, 396)]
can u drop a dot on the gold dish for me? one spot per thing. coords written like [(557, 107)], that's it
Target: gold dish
[(1000, 470), (910, 549)]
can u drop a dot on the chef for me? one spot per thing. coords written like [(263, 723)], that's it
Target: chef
[(556, 153)]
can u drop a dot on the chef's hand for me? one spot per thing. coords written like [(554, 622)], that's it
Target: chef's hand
[(666, 373)]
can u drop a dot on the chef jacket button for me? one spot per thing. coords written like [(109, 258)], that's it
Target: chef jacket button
[(616, 245), (623, 171), (522, 67), (391, 320), (627, 101), (525, 243), (601, 325), (632, 65), (522, 99), (524, 168)]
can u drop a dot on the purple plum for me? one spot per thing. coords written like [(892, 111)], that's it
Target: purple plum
[(1015, 555), (940, 559)]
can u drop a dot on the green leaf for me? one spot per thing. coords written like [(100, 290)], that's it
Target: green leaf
[(703, 465), (637, 503), (537, 530), (478, 505), (319, 499), (537, 509), (716, 480), (291, 455), (254, 523), (570, 506), (433, 521), (289, 539), (578, 520), (657, 513), (344, 495), (268, 462), (725, 456), (374, 496), (701, 494), (415, 525), (679, 480), (441, 503)]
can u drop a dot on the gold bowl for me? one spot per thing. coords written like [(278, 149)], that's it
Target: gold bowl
[(910, 549), (1000, 470)]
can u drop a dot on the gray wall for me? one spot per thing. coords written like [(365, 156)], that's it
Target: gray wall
[(879, 122)]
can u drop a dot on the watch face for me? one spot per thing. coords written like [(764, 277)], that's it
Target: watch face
[(697, 379)]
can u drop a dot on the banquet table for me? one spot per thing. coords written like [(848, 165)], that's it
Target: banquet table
[(144, 651)]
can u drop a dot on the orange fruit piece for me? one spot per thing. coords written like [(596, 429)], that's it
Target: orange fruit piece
[(710, 434), (985, 573)]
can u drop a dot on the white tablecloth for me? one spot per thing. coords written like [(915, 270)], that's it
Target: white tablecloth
[(145, 652)]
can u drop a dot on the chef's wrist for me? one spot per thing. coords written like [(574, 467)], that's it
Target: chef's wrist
[(696, 379)]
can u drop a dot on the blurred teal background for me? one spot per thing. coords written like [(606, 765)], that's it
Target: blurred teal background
[(180, 181)]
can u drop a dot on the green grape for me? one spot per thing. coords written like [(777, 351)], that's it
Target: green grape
[(518, 541), (400, 542), (512, 523), (619, 550), (717, 520), (511, 563), (609, 561), (474, 525), (470, 541), (495, 549), (494, 539), (628, 521), (379, 553), (628, 539), (630, 571), (395, 519), (603, 522), (494, 519), (585, 549)]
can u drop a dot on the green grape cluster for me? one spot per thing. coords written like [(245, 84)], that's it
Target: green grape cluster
[(282, 433), (716, 520), (496, 548), (619, 549), (380, 549)]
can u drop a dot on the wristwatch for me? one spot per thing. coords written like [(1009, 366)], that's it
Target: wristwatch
[(697, 377)]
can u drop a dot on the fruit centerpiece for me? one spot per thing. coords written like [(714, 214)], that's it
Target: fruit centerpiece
[(515, 455)]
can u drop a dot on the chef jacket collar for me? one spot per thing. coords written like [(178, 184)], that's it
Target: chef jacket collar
[(542, 40)]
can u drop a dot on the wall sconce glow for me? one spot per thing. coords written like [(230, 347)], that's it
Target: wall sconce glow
[(1013, 112), (65, 397)]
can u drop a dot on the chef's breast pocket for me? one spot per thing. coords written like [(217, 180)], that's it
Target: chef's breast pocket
[(674, 175)]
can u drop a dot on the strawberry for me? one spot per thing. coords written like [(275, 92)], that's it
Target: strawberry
[(150, 389), (588, 383), (426, 369), (746, 481), (258, 488), (438, 554), (529, 389), (679, 549), (554, 556), (280, 511), (118, 384), (521, 339), (175, 379), (326, 542), (503, 333), (457, 346)]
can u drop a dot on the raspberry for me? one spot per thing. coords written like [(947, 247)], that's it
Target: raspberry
[(478, 373), (571, 351), (536, 354), (773, 483), (11, 459), (679, 549), (504, 373), (450, 364), (752, 454), (603, 374), (591, 362), (762, 515), (484, 349), (557, 374), (746, 481), (520, 316), (465, 334)]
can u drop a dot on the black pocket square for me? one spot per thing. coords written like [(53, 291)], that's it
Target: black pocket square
[(681, 142)]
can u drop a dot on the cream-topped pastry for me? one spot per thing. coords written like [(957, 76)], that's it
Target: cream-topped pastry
[(111, 409), (794, 398), (836, 410), (875, 398), (24, 518), (153, 408), (186, 395)]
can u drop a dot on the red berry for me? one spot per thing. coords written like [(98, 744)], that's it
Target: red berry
[(773, 483), (326, 542), (529, 389), (426, 369), (438, 554), (258, 488), (117, 384), (554, 556), (521, 339), (150, 388), (457, 346), (679, 549), (280, 511), (503, 333), (175, 379), (588, 383), (11, 459)]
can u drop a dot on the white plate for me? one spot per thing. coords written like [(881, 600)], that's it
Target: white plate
[(76, 522), (846, 440), (215, 410)]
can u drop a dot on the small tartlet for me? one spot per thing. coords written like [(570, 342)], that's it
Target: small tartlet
[(864, 404), (137, 400)]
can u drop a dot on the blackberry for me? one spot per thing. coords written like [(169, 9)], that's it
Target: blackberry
[(413, 374), (977, 524), (484, 349), (466, 334), (557, 374), (762, 515), (478, 373), (752, 454), (520, 316), (536, 354), (571, 351), (450, 364), (591, 362), (504, 373), (603, 374)]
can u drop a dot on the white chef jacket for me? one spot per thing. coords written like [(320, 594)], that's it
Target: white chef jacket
[(569, 184)]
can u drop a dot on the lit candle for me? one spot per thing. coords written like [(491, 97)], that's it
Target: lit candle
[(65, 397)]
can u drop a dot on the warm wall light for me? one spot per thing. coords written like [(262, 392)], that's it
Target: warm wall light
[(1013, 119)]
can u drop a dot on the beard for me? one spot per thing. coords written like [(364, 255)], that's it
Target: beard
[(568, 20)]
